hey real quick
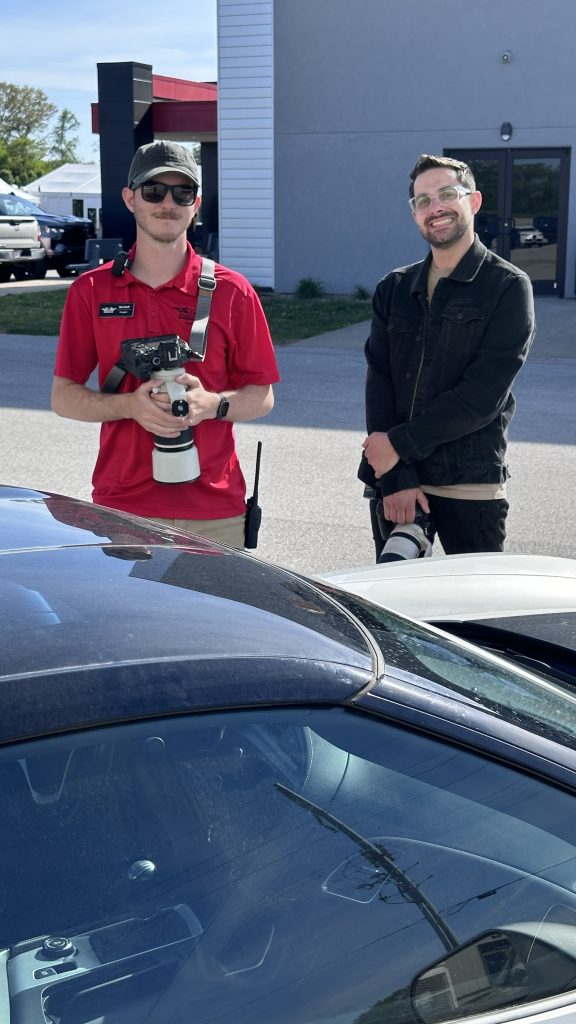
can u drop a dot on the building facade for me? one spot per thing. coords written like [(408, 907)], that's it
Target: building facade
[(324, 106)]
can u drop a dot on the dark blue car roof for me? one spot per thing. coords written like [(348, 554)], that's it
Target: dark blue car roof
[(104, 617)]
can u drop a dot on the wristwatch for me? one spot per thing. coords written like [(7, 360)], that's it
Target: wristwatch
[(223, 407)]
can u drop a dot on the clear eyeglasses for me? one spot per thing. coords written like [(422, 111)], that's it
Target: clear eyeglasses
[(448, 194)]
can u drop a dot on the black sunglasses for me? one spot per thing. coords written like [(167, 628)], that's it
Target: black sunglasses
[(156, 192)]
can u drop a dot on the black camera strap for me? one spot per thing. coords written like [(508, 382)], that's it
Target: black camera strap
[(198, 334)]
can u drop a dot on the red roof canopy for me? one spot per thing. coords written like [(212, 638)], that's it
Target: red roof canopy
[(180, 109)]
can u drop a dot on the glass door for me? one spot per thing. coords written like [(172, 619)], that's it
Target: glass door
[(523, 214)]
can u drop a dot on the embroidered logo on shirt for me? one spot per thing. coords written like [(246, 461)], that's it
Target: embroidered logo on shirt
[(116, 309), (185, 314)]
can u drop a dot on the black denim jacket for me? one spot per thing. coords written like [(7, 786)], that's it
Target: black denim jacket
[(440, 376)]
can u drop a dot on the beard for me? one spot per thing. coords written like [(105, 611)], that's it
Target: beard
[(448, 236)]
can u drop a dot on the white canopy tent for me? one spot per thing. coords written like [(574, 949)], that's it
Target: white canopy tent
[(71, 188), (5, 186)]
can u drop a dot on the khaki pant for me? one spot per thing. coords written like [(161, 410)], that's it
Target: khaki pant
[(224, 531)]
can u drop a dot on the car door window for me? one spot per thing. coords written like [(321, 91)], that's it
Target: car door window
[(295, 866), (432, 659)]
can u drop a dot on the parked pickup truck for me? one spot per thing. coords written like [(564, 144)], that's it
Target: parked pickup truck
[(21, 249), (63, 236)]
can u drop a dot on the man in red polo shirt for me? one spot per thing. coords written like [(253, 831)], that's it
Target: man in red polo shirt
[(157, 294)]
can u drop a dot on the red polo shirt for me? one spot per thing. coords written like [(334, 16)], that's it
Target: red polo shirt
[(100, 312)]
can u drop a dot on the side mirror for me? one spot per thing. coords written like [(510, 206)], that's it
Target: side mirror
[(522, 963)]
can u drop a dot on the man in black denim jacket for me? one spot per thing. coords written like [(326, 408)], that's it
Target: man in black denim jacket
[(448, 336)]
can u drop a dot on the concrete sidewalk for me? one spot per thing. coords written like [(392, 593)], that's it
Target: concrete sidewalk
[(51, 283), (555, 331)]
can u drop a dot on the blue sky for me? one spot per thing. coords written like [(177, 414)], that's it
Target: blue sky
[(56, 45)]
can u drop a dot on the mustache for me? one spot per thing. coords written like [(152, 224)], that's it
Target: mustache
[(439, 216)]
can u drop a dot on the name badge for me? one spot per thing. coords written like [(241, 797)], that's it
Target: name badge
[(109, 309)]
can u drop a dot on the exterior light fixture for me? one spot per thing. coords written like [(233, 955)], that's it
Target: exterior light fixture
[(505, 131)]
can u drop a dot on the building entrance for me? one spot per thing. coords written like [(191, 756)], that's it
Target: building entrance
[(524, 209)]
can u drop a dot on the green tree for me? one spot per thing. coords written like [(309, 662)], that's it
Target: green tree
[(29, 147), (24, 112), (22, 161), (5, 169), (63, 143)]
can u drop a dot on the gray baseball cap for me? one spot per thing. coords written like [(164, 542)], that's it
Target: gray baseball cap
[(159, 158)]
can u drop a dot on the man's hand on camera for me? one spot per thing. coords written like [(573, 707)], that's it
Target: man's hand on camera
[(380, 453), (202, 404), (152, 411), (400, 507)]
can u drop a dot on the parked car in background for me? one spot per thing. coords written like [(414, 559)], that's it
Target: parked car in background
[(548, 225), (21, 249), (523, 606), (229, 793), (63, 236), (528, 237)]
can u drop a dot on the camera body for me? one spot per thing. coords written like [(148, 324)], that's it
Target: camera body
[(143, 357), (161, 358)]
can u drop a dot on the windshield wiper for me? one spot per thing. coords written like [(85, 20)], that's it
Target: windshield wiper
[(379, 857)]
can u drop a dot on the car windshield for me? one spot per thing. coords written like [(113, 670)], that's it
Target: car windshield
[(14, 206), (290, 866)]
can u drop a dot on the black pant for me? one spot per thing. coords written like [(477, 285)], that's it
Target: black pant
[(462, 526)]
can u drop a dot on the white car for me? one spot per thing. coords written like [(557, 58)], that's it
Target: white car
[(531, 237), (523, 606)]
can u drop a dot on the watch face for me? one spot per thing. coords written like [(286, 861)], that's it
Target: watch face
[(222, 408)]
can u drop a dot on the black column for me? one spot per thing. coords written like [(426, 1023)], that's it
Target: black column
[(125, 122), (209, 209)]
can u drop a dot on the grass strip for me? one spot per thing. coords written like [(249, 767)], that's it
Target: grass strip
[(290, 318)]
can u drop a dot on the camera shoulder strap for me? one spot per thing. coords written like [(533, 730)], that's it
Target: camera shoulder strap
[(206, 286), (114, 379)]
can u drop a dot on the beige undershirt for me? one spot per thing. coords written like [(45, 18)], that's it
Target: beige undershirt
[(465, 492), (434, 275)]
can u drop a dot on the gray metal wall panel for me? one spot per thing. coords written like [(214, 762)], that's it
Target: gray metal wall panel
[(246, 138), (362, 88)]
